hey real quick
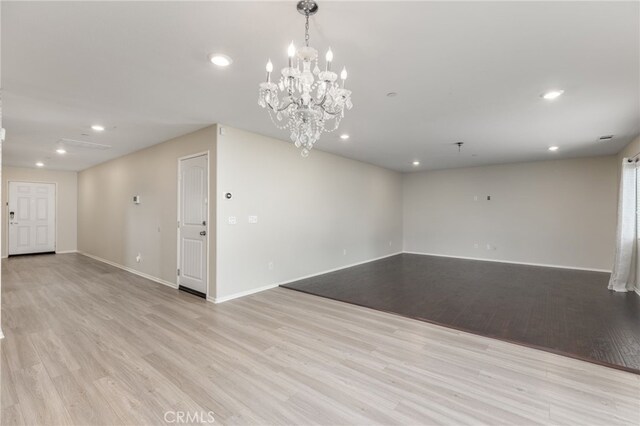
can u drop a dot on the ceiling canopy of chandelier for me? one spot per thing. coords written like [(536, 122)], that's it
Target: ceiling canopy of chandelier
[(304, 101)]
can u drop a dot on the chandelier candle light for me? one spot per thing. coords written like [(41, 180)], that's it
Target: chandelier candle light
[(305, 102)]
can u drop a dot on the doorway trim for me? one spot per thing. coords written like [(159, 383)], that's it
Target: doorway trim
[(55, 200), (180, 159)]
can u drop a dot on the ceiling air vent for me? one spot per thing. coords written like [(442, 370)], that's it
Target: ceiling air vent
[(605, 138), (83, 144)]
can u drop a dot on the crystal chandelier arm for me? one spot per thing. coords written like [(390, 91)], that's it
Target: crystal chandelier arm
[(284, 107), (270, 105), (323, 100), (272, 108), (332, 113), (337, 111)]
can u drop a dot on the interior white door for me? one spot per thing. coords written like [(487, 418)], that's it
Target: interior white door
[(193, 209), (32, 217)]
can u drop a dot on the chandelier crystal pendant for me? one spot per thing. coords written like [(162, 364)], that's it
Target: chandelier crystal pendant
[(306, 101)]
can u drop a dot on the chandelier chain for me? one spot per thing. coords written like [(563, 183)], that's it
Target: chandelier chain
[(306, 31)]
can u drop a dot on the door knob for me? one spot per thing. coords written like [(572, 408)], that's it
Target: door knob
[(203, 233)]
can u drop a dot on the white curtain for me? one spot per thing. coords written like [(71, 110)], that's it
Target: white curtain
[(624, 268)]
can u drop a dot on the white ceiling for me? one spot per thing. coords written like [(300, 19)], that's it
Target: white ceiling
[(469, 72)]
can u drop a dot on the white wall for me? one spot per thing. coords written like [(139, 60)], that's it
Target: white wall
[(553, 212), (113, 228), (309, 211), (66, 203)]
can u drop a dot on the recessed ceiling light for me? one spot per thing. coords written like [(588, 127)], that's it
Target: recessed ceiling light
[(415, 163), (220, 60), (552, 94), (39, 164), (553, 148), (61, 151), (344, 136), (391, 94), (97, 128)]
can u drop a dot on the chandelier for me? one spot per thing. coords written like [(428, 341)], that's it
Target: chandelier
[(306, 102)]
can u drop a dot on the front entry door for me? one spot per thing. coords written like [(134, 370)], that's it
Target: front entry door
[(32, 217), (193, 187)]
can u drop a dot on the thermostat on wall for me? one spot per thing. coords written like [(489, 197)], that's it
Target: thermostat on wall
[(136, 199)]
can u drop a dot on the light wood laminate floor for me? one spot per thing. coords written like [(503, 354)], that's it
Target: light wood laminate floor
[(87, 343)]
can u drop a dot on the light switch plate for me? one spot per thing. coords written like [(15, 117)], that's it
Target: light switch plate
[(232, 220)]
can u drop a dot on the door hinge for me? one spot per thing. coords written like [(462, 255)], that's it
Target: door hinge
[(178, 271)]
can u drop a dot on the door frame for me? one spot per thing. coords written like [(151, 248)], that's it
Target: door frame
[(179, 251), (55, 203)]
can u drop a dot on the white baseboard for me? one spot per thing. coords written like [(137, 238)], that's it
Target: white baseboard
[(133, 271), (511, 262), (241, 294), (341, 267), (270, 286), (638, 291)]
